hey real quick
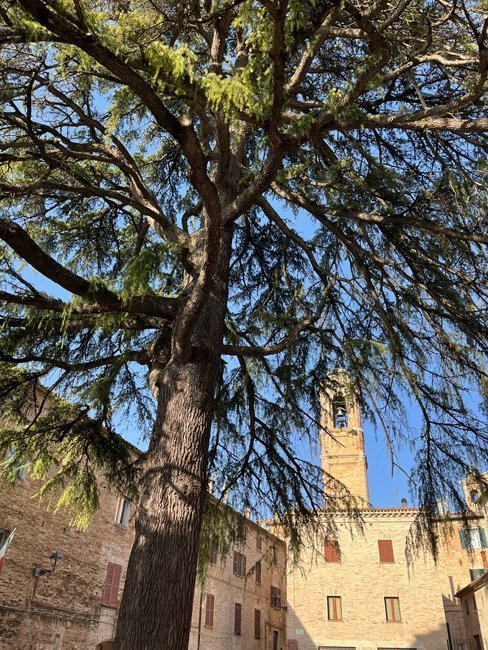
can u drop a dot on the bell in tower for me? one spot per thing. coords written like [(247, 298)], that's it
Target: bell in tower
[(341, 436)]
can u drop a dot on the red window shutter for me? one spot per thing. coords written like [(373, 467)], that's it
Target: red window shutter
[(209, 610), (257, 623), (259, 543), (385, 547), (485, 560), (332, 550), (237, 618), (112, 583)]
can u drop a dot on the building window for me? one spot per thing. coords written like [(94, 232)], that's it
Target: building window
[(275, 597), (212, 553), (392, 609), (16, 469), (332, 553), (474, 538), (112, 583), (4, 535), (334, 608), (275, 556), (239, 564), (237, 618), (276, 640), (209, 610), (474, 495), (122, 512), (385, 548), (474, 574), (259, 542), (258, 572), (257, 623)]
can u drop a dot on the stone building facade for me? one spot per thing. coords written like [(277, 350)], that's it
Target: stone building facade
[(356, 590), (474, 604), (242, 603), (74, 607)]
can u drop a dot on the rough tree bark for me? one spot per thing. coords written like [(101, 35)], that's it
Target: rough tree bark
[(158, 594)]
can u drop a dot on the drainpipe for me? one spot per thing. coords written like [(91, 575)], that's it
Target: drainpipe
[(200, 619)]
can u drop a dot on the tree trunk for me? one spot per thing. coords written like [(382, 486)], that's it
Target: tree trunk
[(156, 608)]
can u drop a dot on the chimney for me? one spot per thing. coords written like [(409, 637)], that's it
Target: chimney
[(404, 503)]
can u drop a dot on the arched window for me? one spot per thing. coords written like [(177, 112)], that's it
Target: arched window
[(474, 495), (339, 412)]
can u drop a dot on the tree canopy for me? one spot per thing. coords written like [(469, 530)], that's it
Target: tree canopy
[(289, 186)]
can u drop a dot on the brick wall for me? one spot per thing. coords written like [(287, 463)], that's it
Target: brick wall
[(229, 589), (62, 609)]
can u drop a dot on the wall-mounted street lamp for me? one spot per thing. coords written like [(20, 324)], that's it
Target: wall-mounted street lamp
[(54, 557)]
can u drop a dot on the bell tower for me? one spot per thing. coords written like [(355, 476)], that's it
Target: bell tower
[(341, 438)]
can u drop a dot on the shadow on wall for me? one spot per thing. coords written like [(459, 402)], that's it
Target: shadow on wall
[(299, 638), (454, 616)]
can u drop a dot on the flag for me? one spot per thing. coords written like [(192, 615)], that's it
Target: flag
[(4, 548)]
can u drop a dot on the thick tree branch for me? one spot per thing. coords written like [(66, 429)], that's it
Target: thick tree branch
[(20, 241)]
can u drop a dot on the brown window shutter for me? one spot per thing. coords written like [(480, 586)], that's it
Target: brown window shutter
[(332, 550), (275, 597), (237, 618), (259, 543), (258, 572), (385, 547), (257, 623), (244, 565), (212, 553), (112, 583), (235, 562), (209, 610), (115, 584)]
